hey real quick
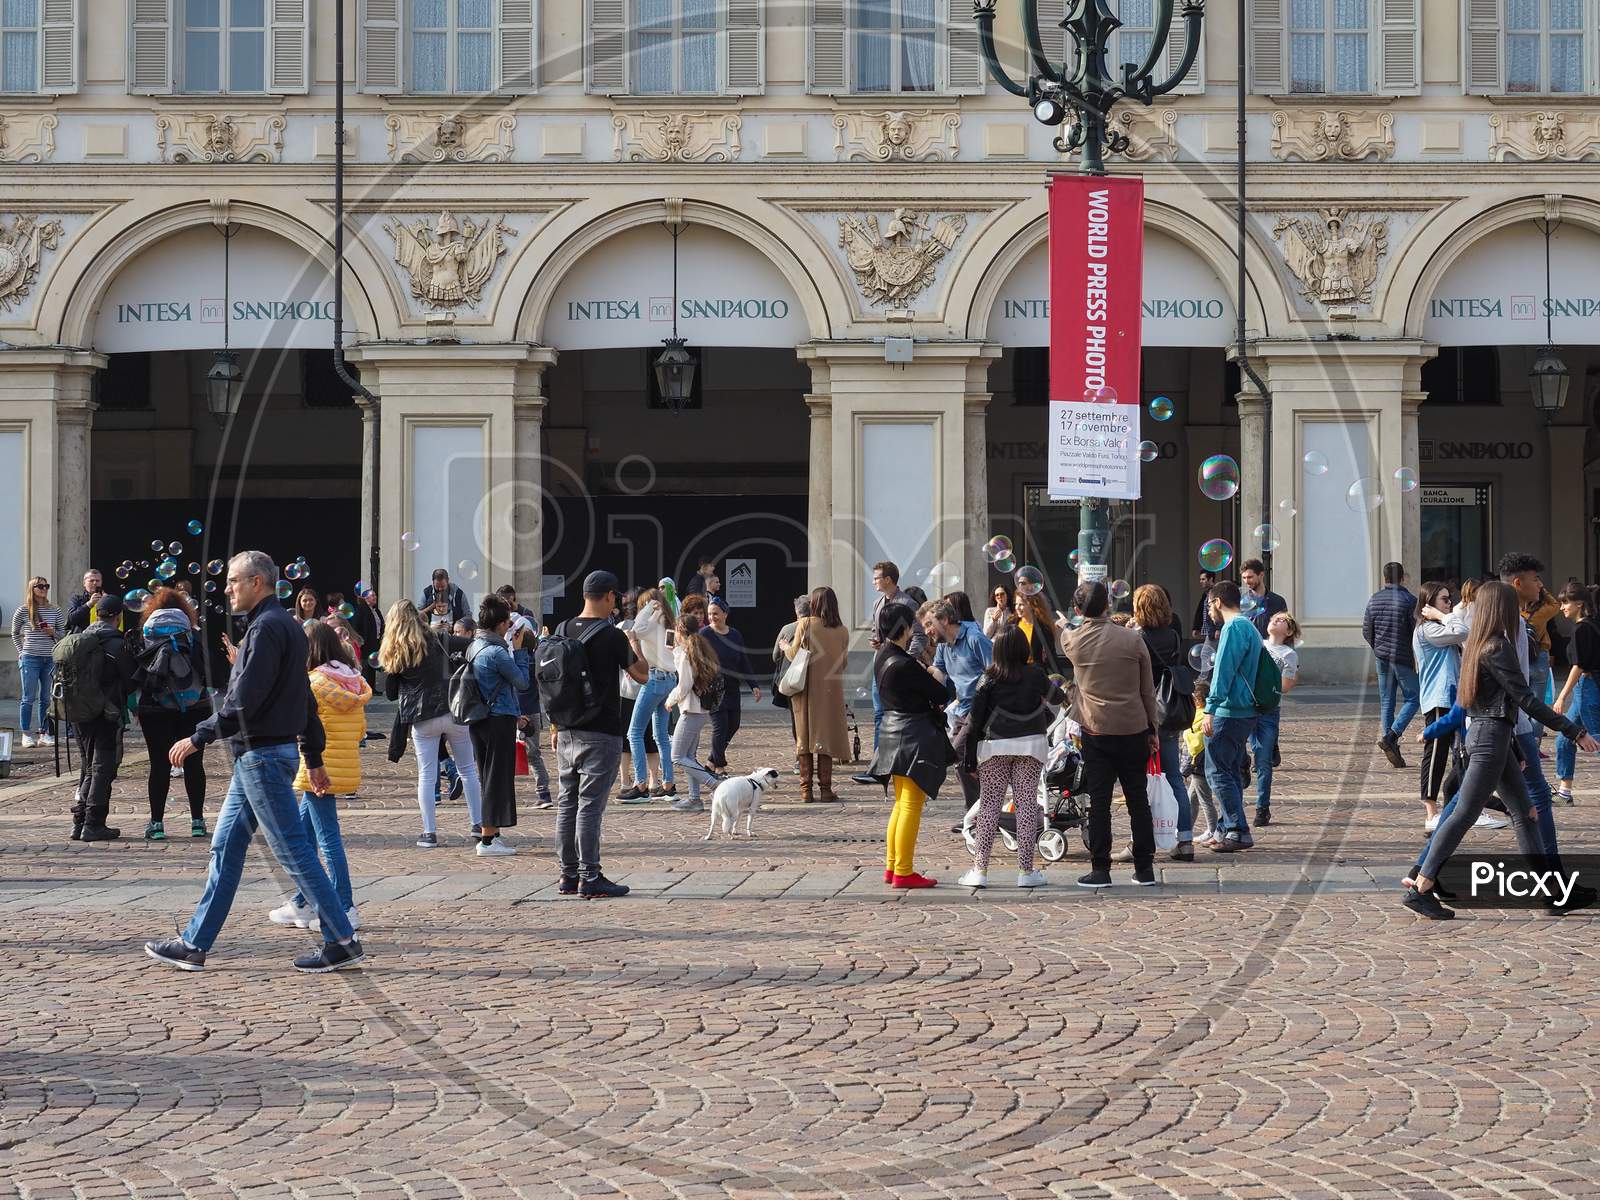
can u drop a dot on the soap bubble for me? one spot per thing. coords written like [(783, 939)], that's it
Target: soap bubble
[(1287, 510), (1200, 656), (1100, 395), (211, 585), (1120, 589), (166, 569), (285, 589), (467, 569), (1406, 478), (124, 571), (175, 549), (136, 597), (1219, 477), (1315, 462), (1058, 681), (1030, 580), (194, 568), (1075, 620), (1149, 451), (372, 659), (346, 610), (1073, 559), (997, 547), (292, 571), (144, 562), (942, 577), (1005, 564), (195, 528), (1267, 538), (154, 585), (1248, 603), (1161, 409), (862, 693), (1215, 555), (409, 541), (1364, 495), (361, 587), (216, 567)]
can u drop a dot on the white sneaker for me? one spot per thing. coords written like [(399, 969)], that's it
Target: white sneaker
[(1031, 879), (176, 772), (298, 915), (350, 915), (29, 741), (495, 848), (1431, 824), (1490, 821), (46, 740), (974, 878)]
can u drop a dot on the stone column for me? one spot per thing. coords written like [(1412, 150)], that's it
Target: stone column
[(525, 514), (1253, 472), (370, 460), (975, 455), (819, 495), (74, 418)]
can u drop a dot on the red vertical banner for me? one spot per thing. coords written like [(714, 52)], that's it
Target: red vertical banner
[(1096, 286)]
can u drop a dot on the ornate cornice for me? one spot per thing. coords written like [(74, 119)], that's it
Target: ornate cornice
[(896, 135), (674, 137), (1345, 134), (1543, 136), (455, 138), (220, 137)]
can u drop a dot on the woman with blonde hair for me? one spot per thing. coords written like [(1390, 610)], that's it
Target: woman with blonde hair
[(700, 689), (35, 629), (415, 660)]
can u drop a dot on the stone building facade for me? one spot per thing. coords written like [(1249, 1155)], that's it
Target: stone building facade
[(860, 268)]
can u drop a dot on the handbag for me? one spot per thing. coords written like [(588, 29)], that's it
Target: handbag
[(793, 681), (1163, 805), (1175, 696), (521, 767), (779, 700)]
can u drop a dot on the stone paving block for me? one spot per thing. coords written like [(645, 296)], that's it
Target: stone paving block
[(766, 885), (820, 885), (707, 885)]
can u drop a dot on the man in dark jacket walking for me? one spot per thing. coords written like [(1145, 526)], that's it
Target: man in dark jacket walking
[(100, 738), (1390, 620), (267, 710)]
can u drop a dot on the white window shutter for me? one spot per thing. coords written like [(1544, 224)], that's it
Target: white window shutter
[(605, 72), (150, 47), (289, 47), (1195, 81), (517, 48), (1400, 47), (1268, 47), (59, 47), (379, 52), (964, 72), (1052, 38), (826, 33), (1484, 48), (746, 56)]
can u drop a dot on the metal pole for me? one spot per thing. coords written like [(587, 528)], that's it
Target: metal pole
[(340, 367), (1241, 354)]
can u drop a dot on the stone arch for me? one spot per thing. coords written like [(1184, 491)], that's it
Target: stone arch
[(994, 255), (1441, 242), (564, 240), (67, 315)]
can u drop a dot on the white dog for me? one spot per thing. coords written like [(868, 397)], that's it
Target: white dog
[(739, 797)]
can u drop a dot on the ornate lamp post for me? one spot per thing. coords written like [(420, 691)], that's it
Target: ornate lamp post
[(1082, 88)]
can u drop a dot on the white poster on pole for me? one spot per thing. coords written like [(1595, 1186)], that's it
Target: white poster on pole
[(739, 589), (1094, 450)]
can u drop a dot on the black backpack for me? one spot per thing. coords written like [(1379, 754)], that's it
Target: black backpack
[(168, 669), (711, 699), (467, 705), (81, 690), (567, 690)]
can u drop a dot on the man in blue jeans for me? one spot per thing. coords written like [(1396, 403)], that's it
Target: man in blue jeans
[(269, 717), (1387, 626), (1230, 715)]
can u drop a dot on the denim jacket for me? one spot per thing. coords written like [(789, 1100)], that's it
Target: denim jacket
[(499, 678)]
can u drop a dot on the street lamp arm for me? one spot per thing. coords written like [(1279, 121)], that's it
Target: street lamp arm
[(983, 15), (1193, 12), (1030, 30), (1131, 75)]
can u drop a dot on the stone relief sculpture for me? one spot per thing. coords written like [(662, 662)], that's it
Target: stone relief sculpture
[(449, 264), (896, 136), (676, 137), (219, 138), (896, 263), (22, 244), (456, 139), (1318, 136), (1543, 136), (27, 137), (1335, 259)]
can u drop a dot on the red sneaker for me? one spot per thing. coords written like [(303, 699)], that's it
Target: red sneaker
[(888, 875), (914, 880)]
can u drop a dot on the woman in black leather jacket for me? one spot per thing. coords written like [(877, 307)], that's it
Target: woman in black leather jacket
[(415, 661), (1493, 690)]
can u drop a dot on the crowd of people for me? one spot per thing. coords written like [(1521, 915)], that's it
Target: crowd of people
[(632, 685)]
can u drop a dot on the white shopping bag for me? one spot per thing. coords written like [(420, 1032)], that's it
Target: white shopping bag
[(1163, 808)]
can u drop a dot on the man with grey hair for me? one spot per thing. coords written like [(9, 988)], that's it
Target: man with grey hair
[(270, 719)]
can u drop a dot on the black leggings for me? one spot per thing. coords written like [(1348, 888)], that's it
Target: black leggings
[(1490, 766), (1436, 757), (163, 729)]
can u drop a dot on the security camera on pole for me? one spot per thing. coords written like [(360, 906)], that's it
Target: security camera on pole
[(1096, 251)]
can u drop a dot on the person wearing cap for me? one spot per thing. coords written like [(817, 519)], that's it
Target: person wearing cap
[(589, 754), (99, 738)]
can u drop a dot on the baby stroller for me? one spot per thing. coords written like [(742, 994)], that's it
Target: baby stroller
[(1061, 796)]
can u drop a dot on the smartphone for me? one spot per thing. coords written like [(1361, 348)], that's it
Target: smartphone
[(671, 640)]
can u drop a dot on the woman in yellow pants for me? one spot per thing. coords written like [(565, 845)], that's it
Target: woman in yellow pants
[(913, 753)]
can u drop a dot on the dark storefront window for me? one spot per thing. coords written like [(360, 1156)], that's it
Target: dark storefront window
[(1456, 532), (1463, 375)]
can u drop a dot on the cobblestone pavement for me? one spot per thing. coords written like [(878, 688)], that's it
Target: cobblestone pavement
[(762, 1019)]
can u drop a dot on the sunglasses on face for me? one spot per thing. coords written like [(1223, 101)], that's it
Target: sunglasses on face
[(41, 587)]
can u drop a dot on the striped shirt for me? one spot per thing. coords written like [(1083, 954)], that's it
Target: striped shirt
[(30, 640)]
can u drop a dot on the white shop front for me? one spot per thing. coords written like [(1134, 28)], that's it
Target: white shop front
[(1496, 474), (1188, 322)]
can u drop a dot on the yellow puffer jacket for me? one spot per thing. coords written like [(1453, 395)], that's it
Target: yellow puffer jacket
[(341, 696)]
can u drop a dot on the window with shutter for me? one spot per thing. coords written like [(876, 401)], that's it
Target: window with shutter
[(1400, 47), (59, 47), (673, 48), (1485, 70), (150, 36), (1266, 46), (223, 45), (606, 48), (1545, 47), (964, 69), (517, 53), (1132, 45), (894, 46), (825, 47), (289, 69), (19, 47), (1194, 81), (379, 67), (745, 53)]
